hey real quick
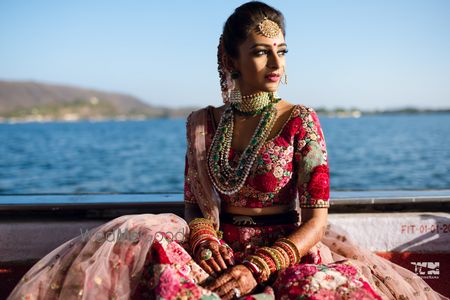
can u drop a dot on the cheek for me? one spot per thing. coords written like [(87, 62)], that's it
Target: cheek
[(253, 67)]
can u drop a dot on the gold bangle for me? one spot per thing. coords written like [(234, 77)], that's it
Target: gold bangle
[(284, 254), (271, 254), (279, 259), (293, 246), (259, 261), (197, 226), (197, 233), (200, 220)]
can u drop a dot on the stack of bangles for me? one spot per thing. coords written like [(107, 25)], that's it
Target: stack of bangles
[(268, 260), (202, 231)]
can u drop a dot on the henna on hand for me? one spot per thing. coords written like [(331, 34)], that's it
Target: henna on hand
[(221, 259), (238, 277)]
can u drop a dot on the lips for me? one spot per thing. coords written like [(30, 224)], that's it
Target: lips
[(272, 77)]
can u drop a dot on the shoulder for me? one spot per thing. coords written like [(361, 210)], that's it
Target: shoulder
[(304, 120), (302, 116), (303, 111), (200, 120), (197, 115), (206, 110), (306, 116)]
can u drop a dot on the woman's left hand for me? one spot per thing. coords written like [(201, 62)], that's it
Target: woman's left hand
[(235, 282)]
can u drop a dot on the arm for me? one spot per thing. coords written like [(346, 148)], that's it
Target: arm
[(191, 211), (312, 229), (191, 208), (202, 235), (313, 183)]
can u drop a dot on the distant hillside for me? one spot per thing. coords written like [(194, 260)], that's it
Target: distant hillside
[(29, 100)]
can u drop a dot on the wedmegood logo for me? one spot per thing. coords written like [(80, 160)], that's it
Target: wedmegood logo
[(426, 270), (123, 235)]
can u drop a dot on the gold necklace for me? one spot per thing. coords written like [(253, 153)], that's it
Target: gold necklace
[(228, 180), (254, 104)]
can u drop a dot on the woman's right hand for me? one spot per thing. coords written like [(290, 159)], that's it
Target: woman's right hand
[(221, 258)]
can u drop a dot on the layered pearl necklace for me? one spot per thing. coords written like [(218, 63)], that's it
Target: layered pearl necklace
[(226, 179)]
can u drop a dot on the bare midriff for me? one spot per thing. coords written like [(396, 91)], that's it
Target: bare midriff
[(257, 211)]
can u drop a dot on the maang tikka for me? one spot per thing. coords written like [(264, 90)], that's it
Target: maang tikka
[(269, 28)]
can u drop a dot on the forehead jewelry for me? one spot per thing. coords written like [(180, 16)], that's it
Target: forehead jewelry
[(269, 28)]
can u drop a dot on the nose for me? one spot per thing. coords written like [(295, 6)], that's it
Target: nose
[(274, 61)]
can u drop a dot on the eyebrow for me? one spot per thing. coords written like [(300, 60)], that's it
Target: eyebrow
[(266, 45)]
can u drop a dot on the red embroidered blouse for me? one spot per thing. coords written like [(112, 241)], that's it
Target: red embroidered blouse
[(294, 163)]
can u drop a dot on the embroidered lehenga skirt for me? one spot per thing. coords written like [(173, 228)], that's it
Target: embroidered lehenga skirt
[(146, 257)]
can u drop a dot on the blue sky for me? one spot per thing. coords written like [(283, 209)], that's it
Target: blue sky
[(349, 53)]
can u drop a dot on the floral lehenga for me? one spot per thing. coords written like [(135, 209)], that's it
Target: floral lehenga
[(153, 260)]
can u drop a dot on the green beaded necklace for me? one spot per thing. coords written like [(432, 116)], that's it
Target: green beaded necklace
[(226, 179)]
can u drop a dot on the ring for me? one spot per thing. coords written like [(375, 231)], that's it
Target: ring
[(205, 254), (237, 292)]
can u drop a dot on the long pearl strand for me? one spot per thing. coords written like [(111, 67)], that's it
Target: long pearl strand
[(226, 179)]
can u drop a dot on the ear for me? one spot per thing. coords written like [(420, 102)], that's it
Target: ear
[(229, 63)]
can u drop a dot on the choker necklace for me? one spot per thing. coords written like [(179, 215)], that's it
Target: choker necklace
[(254, 104), (228, 180)]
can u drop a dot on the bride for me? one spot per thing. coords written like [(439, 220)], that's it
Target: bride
[(256, 204)]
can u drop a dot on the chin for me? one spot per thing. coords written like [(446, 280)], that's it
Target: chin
[(271, 88)]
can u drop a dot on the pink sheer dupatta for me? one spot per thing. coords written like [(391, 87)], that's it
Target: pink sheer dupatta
[(205, 193), (100, 264)]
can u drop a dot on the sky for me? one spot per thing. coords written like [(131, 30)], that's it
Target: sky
[(373, 54)]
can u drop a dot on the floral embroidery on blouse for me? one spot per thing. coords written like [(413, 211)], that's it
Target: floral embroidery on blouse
[(311, 155), (292, 164)]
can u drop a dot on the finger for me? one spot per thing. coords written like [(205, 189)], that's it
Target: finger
[(226, 288), (207, 268), (213, 264), (219, 259), (227, 255), (228, 296), (215, 248), (219, 282)]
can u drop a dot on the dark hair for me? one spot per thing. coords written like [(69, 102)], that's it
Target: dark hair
[(244, 19)]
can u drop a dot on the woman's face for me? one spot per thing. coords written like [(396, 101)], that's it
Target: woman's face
[(261, 63)]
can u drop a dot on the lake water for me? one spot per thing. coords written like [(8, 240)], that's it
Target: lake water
[(368, 153)]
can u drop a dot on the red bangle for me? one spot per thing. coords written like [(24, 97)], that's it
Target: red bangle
[(276, 257), (253, 268), (202, 240), (293, 247), (263, 266), (283, 254), (268, 260), (288, 251), (196, 234)]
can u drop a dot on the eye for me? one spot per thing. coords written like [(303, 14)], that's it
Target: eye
[(261, 52), (283, 52), (265, 52)]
